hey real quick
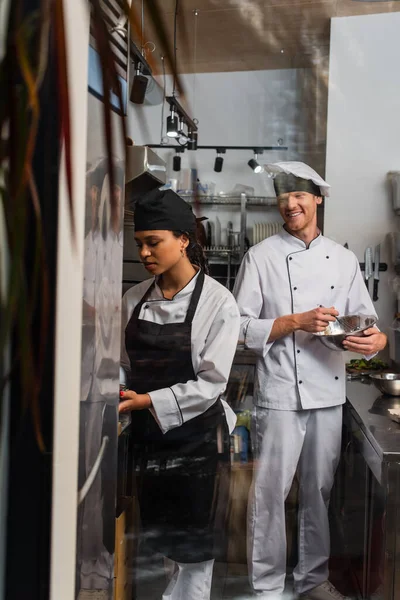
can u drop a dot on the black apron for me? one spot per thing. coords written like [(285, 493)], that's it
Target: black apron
[(183, 474)]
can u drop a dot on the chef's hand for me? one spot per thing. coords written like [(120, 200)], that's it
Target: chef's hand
[(317, 320), (133, 401), (372, 342)]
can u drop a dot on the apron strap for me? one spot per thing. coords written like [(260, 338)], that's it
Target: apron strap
[(138, 306), (195, 298)]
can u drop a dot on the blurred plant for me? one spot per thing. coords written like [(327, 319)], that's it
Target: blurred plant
[(24, 294)]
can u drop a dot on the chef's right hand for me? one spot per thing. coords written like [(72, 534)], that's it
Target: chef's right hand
[(315, 321)]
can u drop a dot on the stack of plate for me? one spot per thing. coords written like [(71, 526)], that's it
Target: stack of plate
[(261, 231)]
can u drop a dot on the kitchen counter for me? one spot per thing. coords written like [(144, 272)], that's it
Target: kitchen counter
[(368, 490), (370, 410)]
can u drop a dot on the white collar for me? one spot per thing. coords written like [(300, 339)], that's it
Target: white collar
[(296, 242), (185, 291)]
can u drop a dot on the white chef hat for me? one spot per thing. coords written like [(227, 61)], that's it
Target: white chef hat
[(299, 177)]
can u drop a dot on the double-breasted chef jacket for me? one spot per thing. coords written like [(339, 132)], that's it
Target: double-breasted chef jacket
[(282, 276)]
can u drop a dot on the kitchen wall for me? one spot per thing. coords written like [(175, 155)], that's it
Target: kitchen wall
[(363, 137)]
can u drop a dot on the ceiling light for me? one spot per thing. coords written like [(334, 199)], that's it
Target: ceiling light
[(183, 138), (139, 86), (253, 164), (172, 125), (219, 161), (193, 139), (176, 162)]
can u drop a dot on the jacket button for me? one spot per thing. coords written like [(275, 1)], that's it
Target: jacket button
[(332, 287), (300, 381), (290, 258), (295, 288), (146, 306), (336, 378), (327, 257), (298, 351)]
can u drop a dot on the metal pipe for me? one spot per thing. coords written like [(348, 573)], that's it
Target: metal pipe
[(251, 148)]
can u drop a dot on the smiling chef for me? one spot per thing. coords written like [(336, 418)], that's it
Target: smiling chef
[(289, 287)]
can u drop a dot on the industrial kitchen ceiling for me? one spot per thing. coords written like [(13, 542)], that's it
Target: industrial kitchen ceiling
[(245, 35)]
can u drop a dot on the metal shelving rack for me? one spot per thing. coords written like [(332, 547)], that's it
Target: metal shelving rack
[(230, 255)]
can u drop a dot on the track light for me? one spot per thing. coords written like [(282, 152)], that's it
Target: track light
[(172, 125), (176, 162), (139, 86), (183, 138), (193, 138), (253, 164), (219, 161)]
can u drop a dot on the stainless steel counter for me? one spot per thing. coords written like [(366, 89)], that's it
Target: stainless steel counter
[(370, 482), (370, 409)]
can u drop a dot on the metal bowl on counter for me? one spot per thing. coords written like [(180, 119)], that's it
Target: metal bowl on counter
[(387, 383), (337, 331)]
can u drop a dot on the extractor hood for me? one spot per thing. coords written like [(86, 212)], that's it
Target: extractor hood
[(145, 171)]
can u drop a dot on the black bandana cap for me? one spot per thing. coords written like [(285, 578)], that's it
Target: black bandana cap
[(163, 209), (284, 183)]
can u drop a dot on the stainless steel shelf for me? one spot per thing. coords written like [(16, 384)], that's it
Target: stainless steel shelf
[(225, 250), (231, 200)]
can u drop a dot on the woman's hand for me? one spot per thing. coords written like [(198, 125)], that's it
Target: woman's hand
[(372, 342), (133, 401)]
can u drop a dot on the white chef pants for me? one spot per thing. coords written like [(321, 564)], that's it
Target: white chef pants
[(188, 581), (284, 440)]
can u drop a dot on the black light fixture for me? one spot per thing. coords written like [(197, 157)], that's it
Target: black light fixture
[(253, 164), (183, 138), (176, 161), (179, 122), (172, 125), (219, 161), (192, 141), (139, 86)]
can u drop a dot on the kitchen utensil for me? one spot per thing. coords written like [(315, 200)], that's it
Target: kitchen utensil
[(209, 236), (377, 259), (387, 383), (228, 274), (336, 332), (229, 228), (201, 232), (217, 240), (368, 266)]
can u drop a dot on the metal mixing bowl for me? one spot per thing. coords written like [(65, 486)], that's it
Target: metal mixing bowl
[(387, 383), (337, 331)]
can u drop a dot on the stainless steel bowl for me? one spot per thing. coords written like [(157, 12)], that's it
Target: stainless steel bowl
[(387, 383), (337, 331)]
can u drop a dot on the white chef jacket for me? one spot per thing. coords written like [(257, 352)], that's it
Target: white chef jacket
[(281, 276), (215, 331)]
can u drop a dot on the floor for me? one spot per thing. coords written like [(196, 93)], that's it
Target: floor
[(230, 582)]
